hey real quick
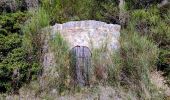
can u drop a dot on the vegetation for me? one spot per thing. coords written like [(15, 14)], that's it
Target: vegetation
[(153, 24), (15, 65), (137, 64), (60, 72), (132, 65), (61, 11), (145, 44)]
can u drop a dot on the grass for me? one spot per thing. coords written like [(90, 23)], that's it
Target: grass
[(58, 75), (106, 68), (38, 20), (61, 53), (138, 58), (128, 68)]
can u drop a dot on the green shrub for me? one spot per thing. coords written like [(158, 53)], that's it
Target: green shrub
[(154, 24), (32, 38), (129, 67), (15, 66), (12, 22), (106, 66), (66, 10), (32, 30), (58, 75), (138, 59), (15, 61), (62, 64), (140, 4)]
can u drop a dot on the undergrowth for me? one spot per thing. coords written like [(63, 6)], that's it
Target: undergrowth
[(139, 56), (58, 76), (16, 68), (130, 67), (154, 24), (144, 45), (32, 29)]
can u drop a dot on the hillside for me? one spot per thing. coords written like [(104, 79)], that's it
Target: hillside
[(84, 50)]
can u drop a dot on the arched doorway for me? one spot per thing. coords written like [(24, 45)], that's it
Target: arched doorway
[(80, 64)]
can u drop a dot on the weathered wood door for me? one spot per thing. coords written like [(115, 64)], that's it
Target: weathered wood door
[(81, 63)]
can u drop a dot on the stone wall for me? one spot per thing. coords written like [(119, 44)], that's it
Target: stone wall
[(90, 33)]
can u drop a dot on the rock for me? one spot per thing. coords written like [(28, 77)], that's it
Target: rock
[(90, 33)]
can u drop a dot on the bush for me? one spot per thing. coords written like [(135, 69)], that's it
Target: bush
[(129, 67), (140, 4), (138, 58), (32, 32), (15, 66), (63, 11), (154, 24), (58, 75)]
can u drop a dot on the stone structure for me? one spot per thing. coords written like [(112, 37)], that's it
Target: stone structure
[(90, 33)]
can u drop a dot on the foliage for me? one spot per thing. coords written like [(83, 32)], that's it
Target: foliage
[(19, 47), (140, 4), (154, 24), (32, 33), (147, 27), (106, 66), (137, 64), (11, 22), (65, 10), (15, 68), (12, 6), (130, 67), (61, 69)]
